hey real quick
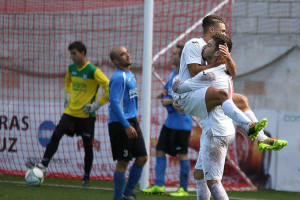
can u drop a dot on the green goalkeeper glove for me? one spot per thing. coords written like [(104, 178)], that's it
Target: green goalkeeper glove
[(67, 99), (90, 108)]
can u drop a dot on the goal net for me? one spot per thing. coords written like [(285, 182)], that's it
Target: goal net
[(33, 61)]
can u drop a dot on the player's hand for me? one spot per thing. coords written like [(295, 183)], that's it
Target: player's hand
[(175, 84), (161, 93), (178, 107), (67, 99), (90, 108), (224, 51), (131, 132), (166, 102)]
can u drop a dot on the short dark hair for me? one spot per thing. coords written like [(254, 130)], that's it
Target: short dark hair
[(180, 46), (222, 39), (78, 45), (211, 20)]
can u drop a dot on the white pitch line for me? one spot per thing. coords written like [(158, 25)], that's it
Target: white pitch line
[(101, 188), (60, 185)]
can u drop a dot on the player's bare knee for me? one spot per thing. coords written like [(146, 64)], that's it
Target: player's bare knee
[(183, 157), (141, 161), (243, 102), (222, 96), (121, 165), (198, 174), (160, 153)]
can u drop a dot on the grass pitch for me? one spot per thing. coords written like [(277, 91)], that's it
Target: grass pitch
[(14, 188)]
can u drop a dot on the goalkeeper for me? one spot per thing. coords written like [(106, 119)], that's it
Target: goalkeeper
[(81, 89)]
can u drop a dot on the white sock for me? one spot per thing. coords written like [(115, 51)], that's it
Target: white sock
[(218, 192), (236, 114), (203, 192), (261, 135)]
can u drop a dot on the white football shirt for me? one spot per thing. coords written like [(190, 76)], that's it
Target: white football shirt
[(191, 53), (217, 121), (216, 77)]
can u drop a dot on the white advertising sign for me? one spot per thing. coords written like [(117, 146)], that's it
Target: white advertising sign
[(288, 162)]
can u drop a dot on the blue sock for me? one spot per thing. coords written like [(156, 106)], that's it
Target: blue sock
[(119, 184), (160, 170), (184, 173), (134, 177)]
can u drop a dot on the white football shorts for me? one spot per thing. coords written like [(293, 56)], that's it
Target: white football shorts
[(212, 155), (193, 103)]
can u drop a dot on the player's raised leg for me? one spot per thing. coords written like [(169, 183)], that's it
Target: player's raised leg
[(215, 97), (264, 142), (65, 122)]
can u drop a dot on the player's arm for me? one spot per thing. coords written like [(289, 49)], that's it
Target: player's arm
[(116, 92), (193, 58), (179, 86), (161, 93), (68, 88), (103, 81), (195, 68), (230, 64), (165, 100), (197, 82)]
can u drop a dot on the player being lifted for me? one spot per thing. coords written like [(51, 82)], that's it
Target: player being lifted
[(212, 24), (126, 137), (173, 138), (81, 87), (217, 129)]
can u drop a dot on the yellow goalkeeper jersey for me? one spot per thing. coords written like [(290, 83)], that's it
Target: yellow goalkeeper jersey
[(83, 85)]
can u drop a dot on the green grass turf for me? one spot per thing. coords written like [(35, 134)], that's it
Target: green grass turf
[(12, 187)]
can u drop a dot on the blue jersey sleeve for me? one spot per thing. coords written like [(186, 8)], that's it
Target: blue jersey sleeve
[(166, 86), (116, 88), (117, 111)]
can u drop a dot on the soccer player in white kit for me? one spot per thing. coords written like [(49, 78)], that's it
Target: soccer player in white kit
[(201, 102), (217, 129), (217, 124), (211, 24)]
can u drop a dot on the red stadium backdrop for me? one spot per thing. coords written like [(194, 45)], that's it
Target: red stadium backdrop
[(34, 57)]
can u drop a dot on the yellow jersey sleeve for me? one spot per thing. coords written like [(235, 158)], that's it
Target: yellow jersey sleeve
[(68, 82), (103, 81)]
